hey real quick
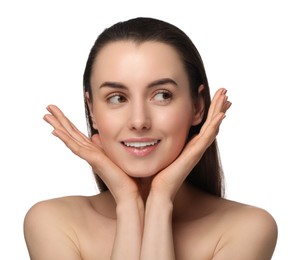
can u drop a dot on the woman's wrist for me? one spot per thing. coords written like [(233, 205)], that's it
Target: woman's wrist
[(159, 201), (129, 206)]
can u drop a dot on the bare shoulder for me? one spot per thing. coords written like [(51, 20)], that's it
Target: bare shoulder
[(210, 227), (46, 227), (52, 227), (249, 232), (55, 211)]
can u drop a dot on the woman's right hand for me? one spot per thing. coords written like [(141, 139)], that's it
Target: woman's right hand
[(118, 182), (129, 203)]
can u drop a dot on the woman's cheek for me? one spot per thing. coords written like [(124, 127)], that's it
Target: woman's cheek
[(176, 129), (178, 121)]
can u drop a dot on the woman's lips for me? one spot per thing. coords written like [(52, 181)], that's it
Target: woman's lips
[(140, 147)]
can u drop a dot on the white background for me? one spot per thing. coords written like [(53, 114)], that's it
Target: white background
[(253, 48)]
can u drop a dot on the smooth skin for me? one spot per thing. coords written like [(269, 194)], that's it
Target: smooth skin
[(145, 214)]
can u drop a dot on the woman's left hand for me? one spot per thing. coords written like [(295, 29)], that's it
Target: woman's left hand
[(169, 180)]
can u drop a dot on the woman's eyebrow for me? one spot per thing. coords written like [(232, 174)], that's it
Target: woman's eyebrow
[(111, 84), (162, 81), (158, 82)]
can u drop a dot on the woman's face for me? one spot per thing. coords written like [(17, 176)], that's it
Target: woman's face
[(142, 105)]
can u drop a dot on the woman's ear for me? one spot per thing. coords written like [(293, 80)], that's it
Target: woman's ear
[(198, 107), (89, 103)]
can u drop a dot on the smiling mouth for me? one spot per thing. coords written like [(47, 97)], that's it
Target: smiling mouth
[(140, 145)]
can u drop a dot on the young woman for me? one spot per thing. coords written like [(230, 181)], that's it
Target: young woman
[(151, 145)]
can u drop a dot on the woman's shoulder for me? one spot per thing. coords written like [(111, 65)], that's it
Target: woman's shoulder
[(57, 206), (47, 224), (247, 230), (251, 217), (231, 207), (225, 229), (54, 213), (69, 207), (64, 223)]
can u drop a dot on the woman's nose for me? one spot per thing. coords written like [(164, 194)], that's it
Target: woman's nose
[(139, 118)]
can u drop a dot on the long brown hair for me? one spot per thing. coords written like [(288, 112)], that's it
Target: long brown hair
[(207, 175)]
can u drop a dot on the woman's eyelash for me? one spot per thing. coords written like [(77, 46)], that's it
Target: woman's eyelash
[(163, 95)]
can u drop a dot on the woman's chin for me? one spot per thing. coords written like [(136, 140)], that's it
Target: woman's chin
[(141, 172), (135, 174), (144, 169)]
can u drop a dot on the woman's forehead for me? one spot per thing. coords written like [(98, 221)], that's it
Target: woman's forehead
[(122, 57)]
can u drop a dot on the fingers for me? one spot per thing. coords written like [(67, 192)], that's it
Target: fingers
[(217, 110), (91, 151), (71, 143), (224, 104), (77, 142), (59, 121), (214, 101), (219, 103)]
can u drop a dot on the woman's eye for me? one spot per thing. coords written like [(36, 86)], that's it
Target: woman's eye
[(163, 96), (116, 99)]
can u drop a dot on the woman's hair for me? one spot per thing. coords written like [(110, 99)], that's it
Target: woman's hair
[(207, 175)]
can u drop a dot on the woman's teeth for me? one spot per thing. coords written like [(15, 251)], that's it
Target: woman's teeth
[(140, 144)]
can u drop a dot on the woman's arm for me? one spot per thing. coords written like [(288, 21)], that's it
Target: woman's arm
[(158, 234), (130, 208), (129, 230)]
